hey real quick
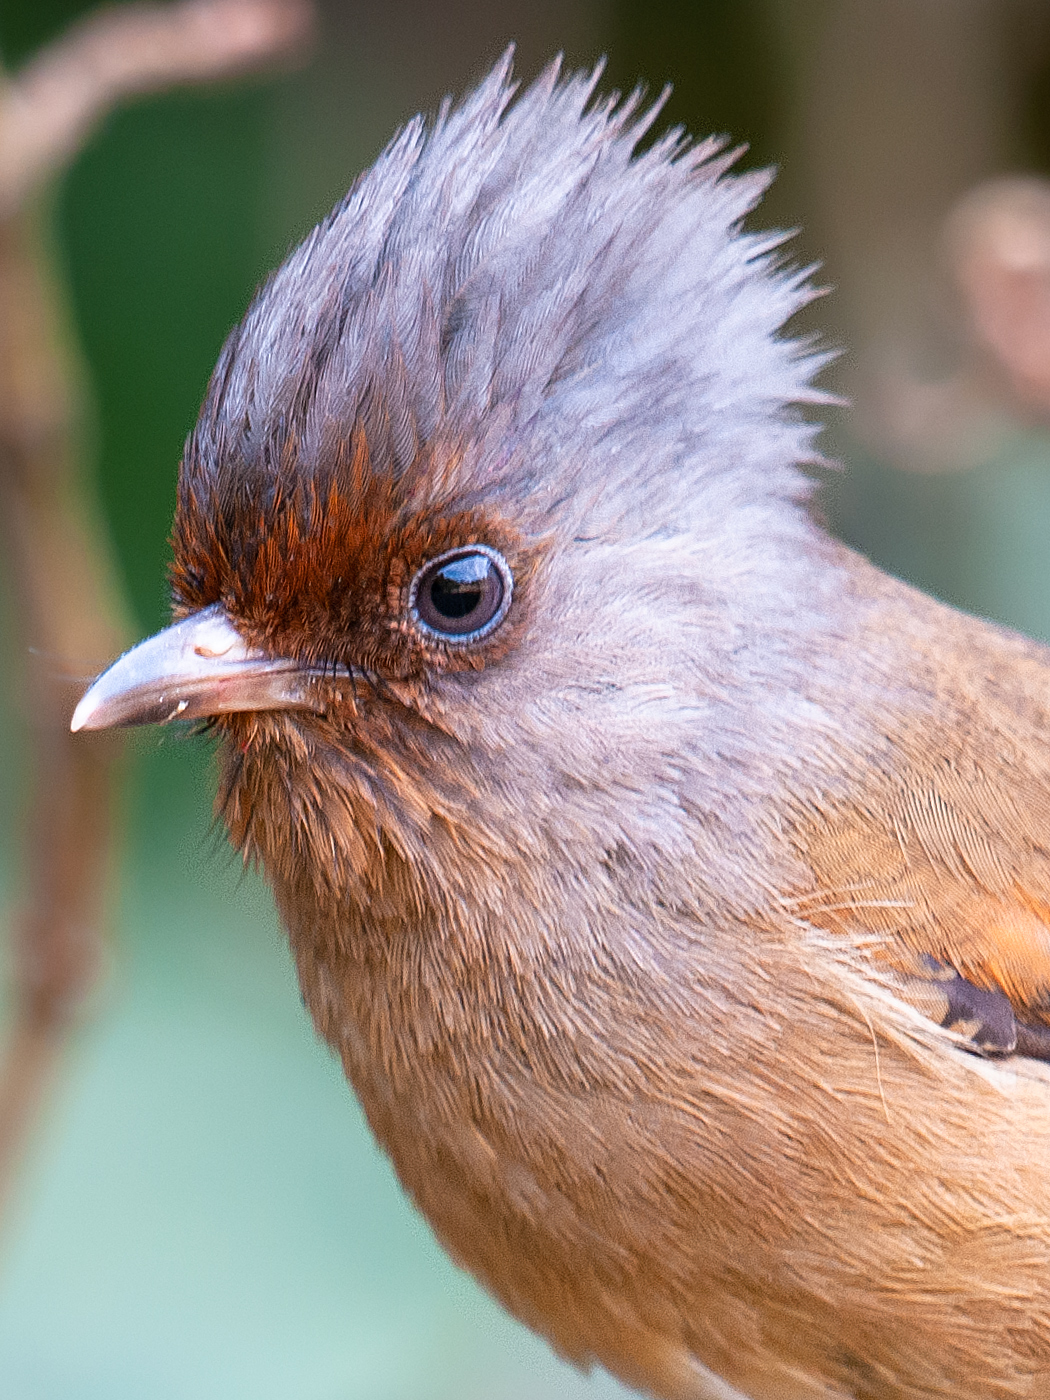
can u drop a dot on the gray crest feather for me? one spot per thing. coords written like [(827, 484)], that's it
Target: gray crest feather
[(589, 327)]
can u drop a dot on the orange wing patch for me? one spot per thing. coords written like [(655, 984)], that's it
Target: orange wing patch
[(939, 862)]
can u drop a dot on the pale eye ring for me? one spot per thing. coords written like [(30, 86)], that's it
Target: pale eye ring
[(463, 595)]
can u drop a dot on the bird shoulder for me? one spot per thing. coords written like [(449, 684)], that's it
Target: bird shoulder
[(938, 860)]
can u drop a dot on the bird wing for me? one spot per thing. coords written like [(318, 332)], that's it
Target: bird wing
[(939, 862)]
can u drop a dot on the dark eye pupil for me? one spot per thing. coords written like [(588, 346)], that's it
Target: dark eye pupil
[(463, 593), (459, 587)]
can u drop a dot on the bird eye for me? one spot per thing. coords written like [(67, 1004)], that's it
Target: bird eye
[(462, 595)]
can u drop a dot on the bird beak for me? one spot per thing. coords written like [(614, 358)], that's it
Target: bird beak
[(200, 666)]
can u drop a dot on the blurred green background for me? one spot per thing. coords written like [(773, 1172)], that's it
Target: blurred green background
[(202, 1213)]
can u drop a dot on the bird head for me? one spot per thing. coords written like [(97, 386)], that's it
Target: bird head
[(499, 466)]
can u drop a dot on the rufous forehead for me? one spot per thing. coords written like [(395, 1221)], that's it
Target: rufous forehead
[(322, 570)]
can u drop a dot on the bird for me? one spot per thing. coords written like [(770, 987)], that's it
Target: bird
[(672, 884)]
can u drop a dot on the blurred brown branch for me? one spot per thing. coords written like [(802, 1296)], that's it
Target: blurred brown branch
[(904, 108), (997, 242), (69, 614), (48, 111)]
